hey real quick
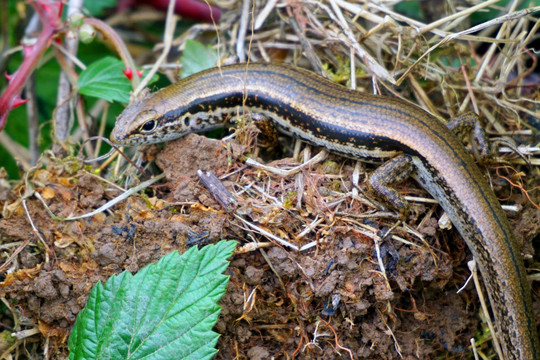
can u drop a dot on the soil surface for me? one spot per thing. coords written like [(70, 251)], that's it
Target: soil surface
[(332, 301)]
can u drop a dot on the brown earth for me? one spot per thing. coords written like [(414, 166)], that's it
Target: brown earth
[(411, 308)]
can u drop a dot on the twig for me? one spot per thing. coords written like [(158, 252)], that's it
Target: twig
[(314, 60), (266, 233), (170, 25), (16, 151), (107, 205), (321, 156), (63, 120), (337, 16), (12, 257), (396, 343), (478, 287), (244, 19), (33, 119), (457, 15), (102, 125), (461, 34), (36, 232), (217, 190), (263, 14), (502, 19), (81, 119)]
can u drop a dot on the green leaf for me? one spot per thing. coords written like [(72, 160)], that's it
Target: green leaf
[(97, 7), (154, 78), (105, 79), (166, 311), (197, 57), (411, 9)]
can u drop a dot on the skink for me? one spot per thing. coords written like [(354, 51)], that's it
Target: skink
[(358, 126)]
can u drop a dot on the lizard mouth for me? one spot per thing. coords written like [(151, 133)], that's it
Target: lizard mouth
[(119, 137), (116, 137)]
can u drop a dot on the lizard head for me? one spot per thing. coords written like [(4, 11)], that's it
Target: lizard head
[(155, 118), (138, 123)]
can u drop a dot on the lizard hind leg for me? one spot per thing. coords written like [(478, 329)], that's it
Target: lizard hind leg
[(393, 171)]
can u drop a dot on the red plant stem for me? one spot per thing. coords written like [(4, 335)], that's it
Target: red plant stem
[(192, 9), (108, 31), (11, 98)]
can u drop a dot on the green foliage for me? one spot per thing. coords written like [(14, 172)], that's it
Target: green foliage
[(14, 25), (197, 57), (290, 200), (166, 311), (97, 7), (411, 9), (105, 79), (489, 14), (46, 80), (6, 339), (449, 59)]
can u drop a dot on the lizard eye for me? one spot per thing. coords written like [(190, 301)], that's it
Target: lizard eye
[(149, 126)]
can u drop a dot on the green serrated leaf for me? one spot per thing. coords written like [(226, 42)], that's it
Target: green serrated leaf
[(105, 79), (197, 57), (166, 311)]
